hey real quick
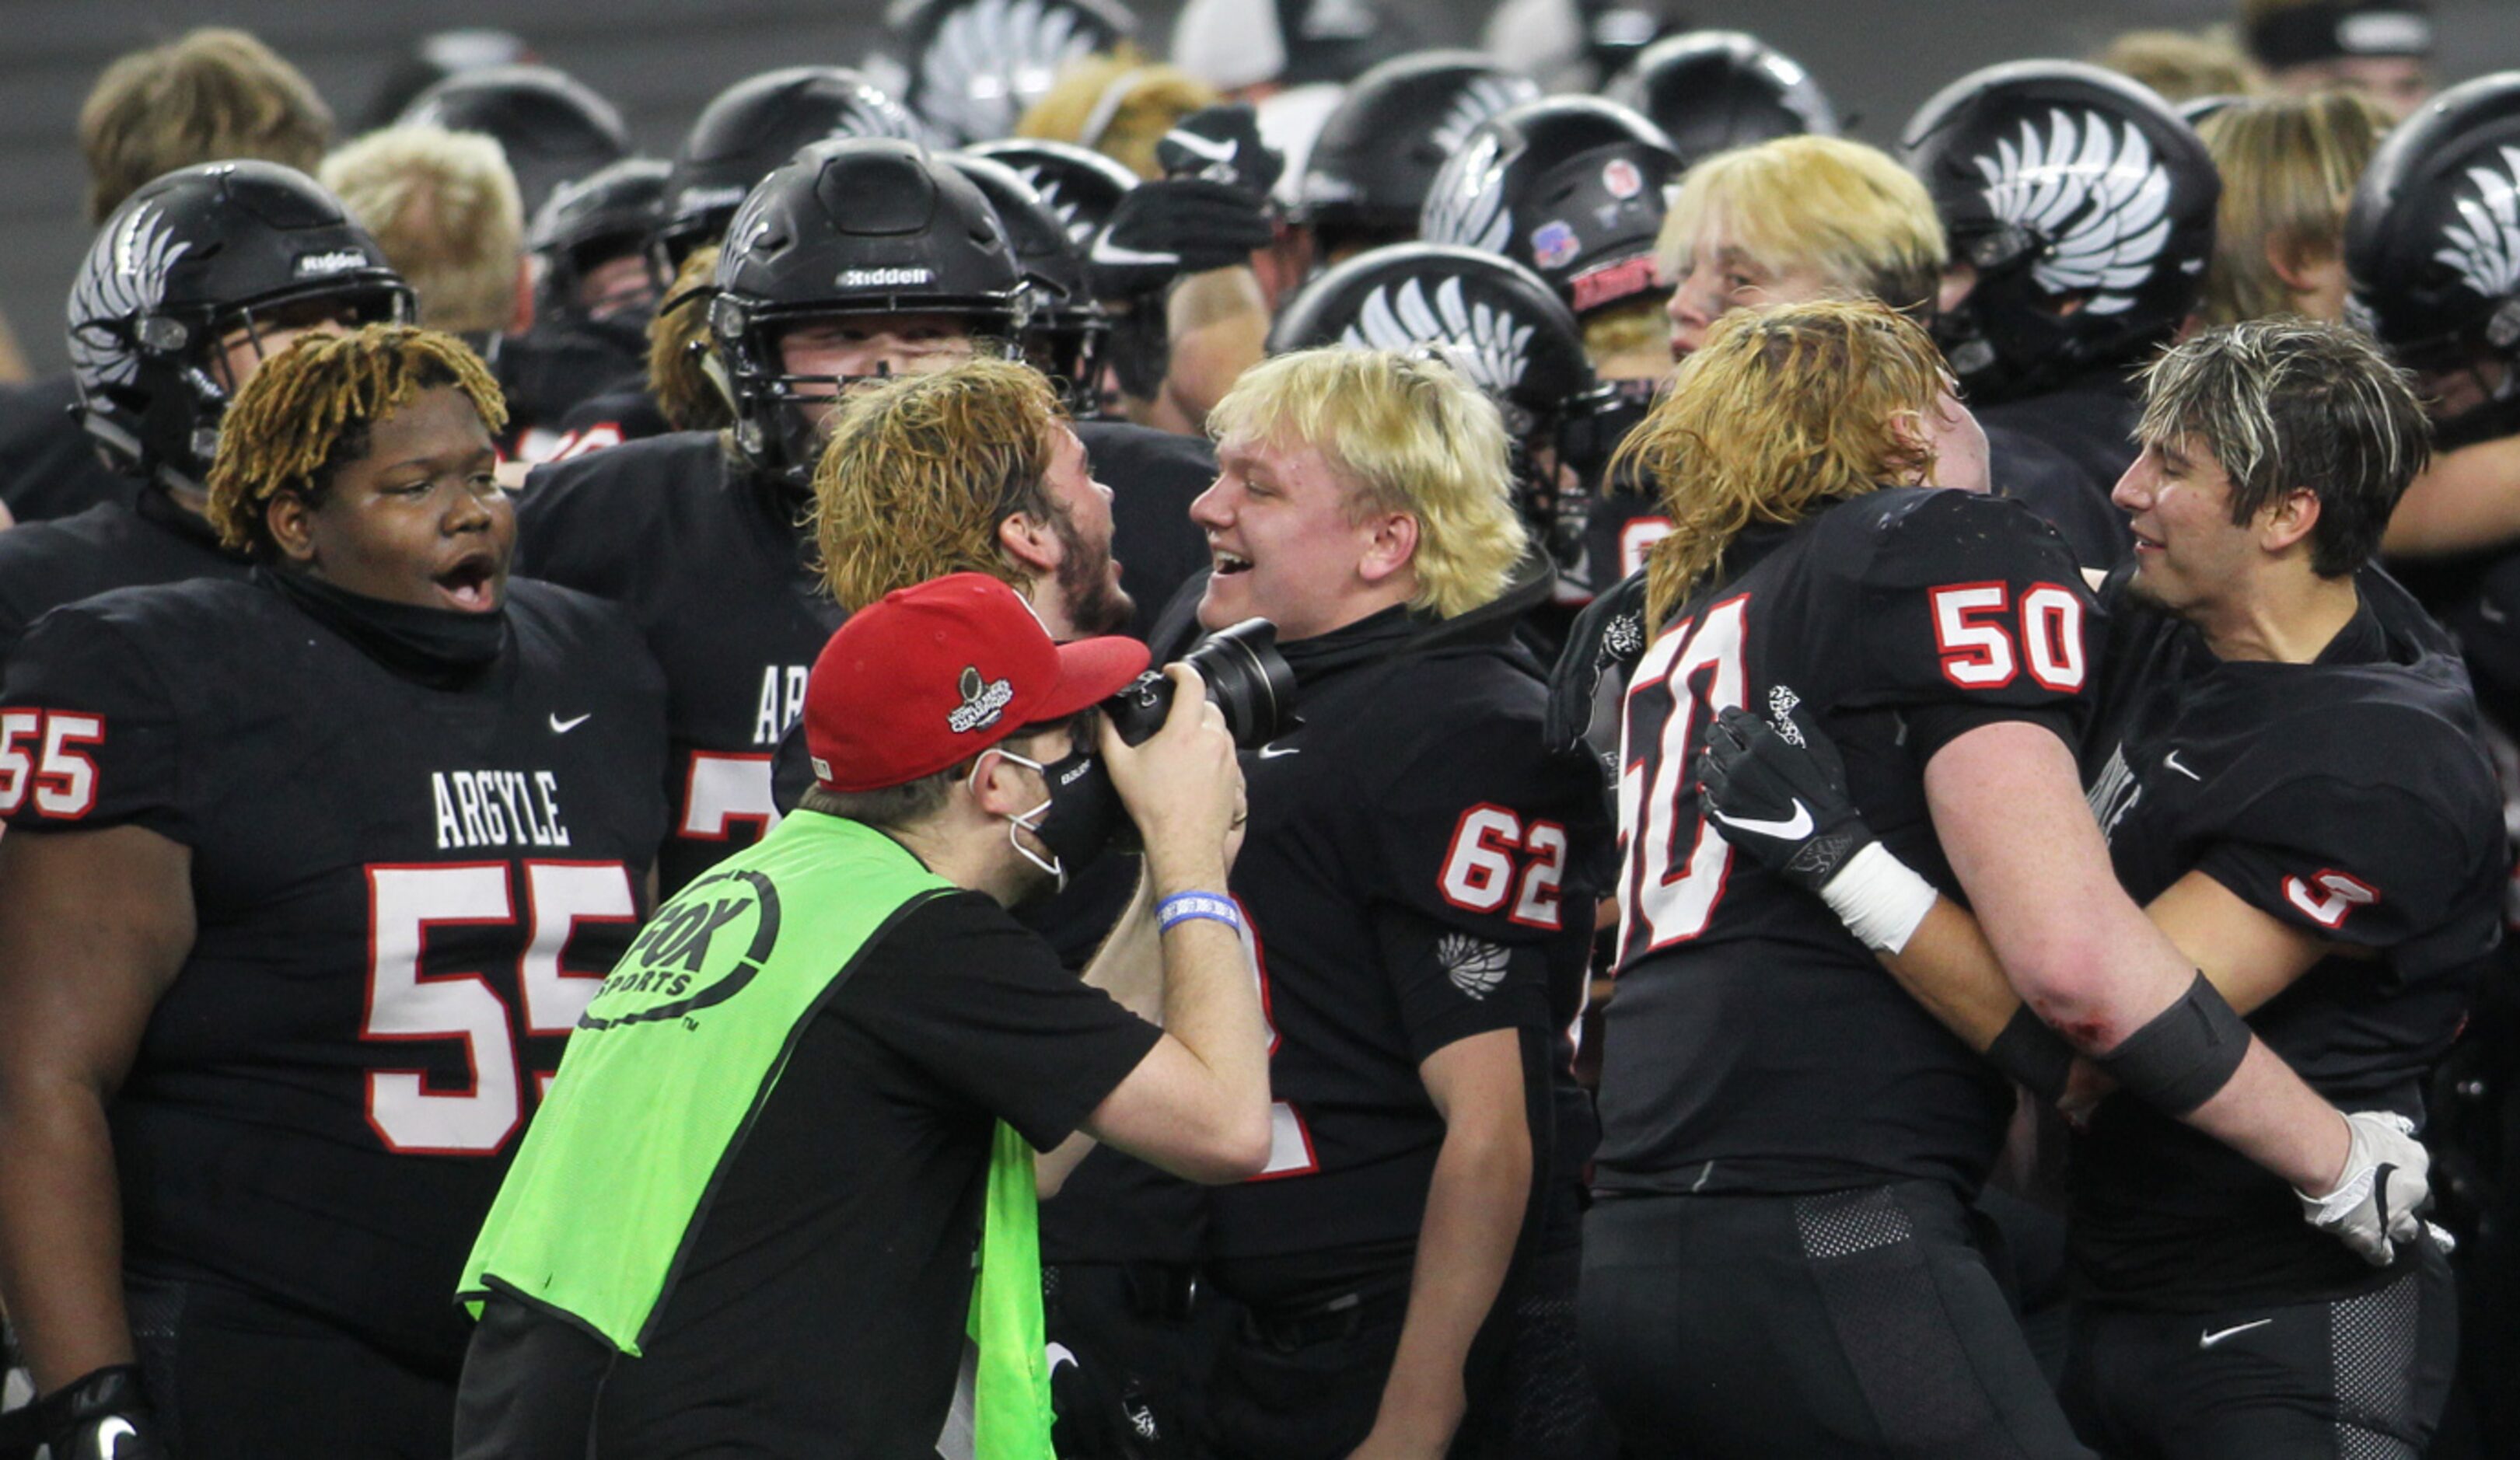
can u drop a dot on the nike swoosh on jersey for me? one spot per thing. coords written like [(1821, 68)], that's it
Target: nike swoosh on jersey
[(1793, 828), (1115, 255), (111, 1435), (2208, 1341), (561, 726), (1271, 752), (2172, 761), (1060, 1354)]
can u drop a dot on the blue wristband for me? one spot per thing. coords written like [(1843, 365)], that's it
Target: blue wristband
[(1185, 907)]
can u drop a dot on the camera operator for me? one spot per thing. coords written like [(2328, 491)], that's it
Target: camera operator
[(1413, 854), (792, 1265)]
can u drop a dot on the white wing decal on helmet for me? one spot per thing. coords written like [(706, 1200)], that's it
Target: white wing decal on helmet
[(2092, 193), (123, 277), (2488, 237), (1484, 97), (1070, 213), (991, 59), (1466, 203), (1485, 342)]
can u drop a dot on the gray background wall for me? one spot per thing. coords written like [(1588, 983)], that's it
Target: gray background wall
[(661, 60)]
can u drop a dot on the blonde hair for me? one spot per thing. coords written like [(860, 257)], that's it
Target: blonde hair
[(678, 345), (1782, 411), (2289, 165), (307, 412), (1841, 208), (213, 95), (443, 207), (1119, 106), (1626, 329), (1405, 432), (920, 472), (2181, 64)]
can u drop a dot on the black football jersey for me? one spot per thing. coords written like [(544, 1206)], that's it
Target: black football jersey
[(2348, 798), (1154, 476), (48, 463), (1753, 1045), (1418, 868), (550, 370), (404, 897), (715, 571), (2090, 422), (607, 419), (46, 565), (2059, 489)]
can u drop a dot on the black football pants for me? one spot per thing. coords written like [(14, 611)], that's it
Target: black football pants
[(237, 1376), (2361, 1378), (1850, 1323)]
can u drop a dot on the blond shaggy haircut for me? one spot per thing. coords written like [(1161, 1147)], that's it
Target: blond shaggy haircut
[(443, 207), (2289, 165), (1783, 412), (213, 95), (1841, 208), (920, 472), (1403, 432)]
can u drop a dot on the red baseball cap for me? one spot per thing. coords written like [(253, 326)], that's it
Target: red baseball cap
[(937, 673)]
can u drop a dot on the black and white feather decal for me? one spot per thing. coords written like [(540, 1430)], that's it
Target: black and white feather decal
[(1484, 97), (991, 59), (871, 114), (1466, 203), (123, 278), (1070, 213), (1487, 344), (2485, 240), (2093, 191), (1474, 965)]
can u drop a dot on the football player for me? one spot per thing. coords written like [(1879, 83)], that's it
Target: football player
[(307, 877), (196, 280), (595, 290), (2286, 766), (1790, 1142), (2080, 210), (1418, 872), (552, 127), (1711, 91), (1379, 149)]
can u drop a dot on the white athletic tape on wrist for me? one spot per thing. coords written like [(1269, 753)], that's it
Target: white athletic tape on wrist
[(1879, 898)]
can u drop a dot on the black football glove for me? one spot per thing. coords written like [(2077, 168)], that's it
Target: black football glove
[(102, 1415), (1777, 792), (1208, 211)]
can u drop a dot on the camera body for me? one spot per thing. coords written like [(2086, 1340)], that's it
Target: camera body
[(1246, 675)]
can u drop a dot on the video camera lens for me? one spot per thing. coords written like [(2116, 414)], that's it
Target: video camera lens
[(1245, 677)]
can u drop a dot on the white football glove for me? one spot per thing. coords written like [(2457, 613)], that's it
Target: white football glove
[(2386, 1184)]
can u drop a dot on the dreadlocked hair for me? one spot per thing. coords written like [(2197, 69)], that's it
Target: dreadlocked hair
[(1782, 411), (678, 342), (920, 472), (306, 413)]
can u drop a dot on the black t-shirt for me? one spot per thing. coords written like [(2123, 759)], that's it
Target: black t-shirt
[(46, 565), (1154, 476), (820, 1308), (1755, 1046), (2347, 798), (1418, 868), (712, 567), (48, 462), (403, 895)]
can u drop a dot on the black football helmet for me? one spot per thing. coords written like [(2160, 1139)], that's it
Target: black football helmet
[(188, 258), (1711, 89), (1068, 330), (1082, 187), (751, 128), (976, 66), (552, 126), (1572, 186), (1496, 322), (2432, 241), (858, 226), (1379, 150), (601, 216), (2063, 183)]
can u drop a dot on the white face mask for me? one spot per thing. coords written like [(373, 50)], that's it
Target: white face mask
[(1031, 821)]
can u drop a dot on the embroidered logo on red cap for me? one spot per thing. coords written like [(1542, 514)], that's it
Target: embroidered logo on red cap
[(983, 704)]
